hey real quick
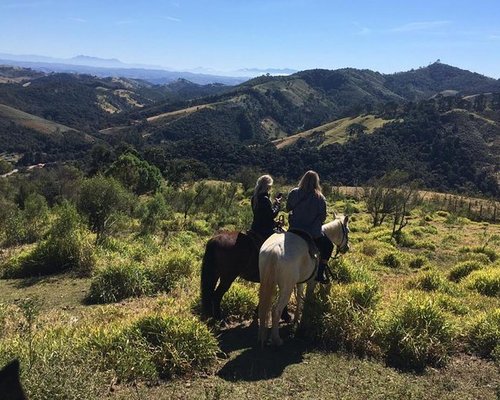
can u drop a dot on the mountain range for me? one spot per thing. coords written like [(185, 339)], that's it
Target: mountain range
[(113, 67), (299, 116)]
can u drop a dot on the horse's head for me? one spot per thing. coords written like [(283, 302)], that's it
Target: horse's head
[(338, 232), (344, 244)]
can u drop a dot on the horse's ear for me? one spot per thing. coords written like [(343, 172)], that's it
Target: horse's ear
[(346, 219)]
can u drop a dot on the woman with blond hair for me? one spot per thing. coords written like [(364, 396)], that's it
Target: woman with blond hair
[(307, 212), (264, 211)]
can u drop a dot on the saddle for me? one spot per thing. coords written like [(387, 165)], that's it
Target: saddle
[(313, 249)]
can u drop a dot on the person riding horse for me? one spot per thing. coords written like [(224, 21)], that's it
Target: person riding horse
[(264, 211), (307, 212)]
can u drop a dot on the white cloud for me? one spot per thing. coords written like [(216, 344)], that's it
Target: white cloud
[(169, 18), (420, 26), (76, 19)]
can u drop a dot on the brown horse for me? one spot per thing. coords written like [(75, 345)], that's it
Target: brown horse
[(227, 256), (10, 385)]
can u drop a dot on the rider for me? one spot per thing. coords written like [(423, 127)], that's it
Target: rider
[(264, 211), (307, 207)]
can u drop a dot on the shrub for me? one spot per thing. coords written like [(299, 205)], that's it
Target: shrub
[(486, 282), (66, 247), (345, 272), (463, 269), (153, 212), (489, 252), (391, 260), (369, 248), (117, 282), (479, 257), (343, 319), (484, 334), (178, 345), (240, 301), (418, 334), (429, 281), (167, 271), (417, 262)]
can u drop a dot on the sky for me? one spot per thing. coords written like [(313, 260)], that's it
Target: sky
[(226, 35)]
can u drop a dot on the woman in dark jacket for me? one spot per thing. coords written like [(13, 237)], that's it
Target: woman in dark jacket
[(264, 211), (307, 207)]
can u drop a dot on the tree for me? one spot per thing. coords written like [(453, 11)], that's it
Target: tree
[(135, 174), (355, 129), (101, 198)]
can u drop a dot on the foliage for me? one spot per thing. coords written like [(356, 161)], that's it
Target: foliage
[(392, 260), (344, 319), (483, 335), (417, 262), (463, 269), (417, 334), (429, 281), (153, 212), (178, 346), (135, 174), (240, 301), (100, 199), (117, 282), (67, 247), (484, 281)]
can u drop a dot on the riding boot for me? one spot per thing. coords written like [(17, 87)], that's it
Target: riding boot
[(321, 277)]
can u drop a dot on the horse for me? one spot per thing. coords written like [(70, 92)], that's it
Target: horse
[(285, 261), (10, 384), (227, 256)]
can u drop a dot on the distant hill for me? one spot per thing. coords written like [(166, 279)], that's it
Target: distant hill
[(85, 102), (114, 68), (270, 107), (439, 123)]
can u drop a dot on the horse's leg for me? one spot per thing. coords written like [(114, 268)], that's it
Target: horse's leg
[(284, 296), (225, 283), (266, 296), (300, 303)]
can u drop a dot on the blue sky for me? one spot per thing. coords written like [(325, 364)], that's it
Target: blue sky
[(382, 35)]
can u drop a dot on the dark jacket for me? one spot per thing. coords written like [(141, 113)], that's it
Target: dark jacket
[(307, 211), (264, 213)]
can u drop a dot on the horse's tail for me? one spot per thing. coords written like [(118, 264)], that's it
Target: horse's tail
[(267, 269), (208, 278)]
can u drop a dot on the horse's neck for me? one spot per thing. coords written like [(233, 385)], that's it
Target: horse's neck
[(332, 231)]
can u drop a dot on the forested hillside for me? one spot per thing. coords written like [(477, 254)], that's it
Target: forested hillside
[(439, 123)]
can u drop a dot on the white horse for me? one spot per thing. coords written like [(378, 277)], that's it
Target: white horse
[(284, 261)]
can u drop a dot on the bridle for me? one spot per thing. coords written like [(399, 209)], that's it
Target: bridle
[(344, 244)]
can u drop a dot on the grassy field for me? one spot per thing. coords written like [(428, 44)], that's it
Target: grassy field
[(333, 132), (32, 121), (447, 265)]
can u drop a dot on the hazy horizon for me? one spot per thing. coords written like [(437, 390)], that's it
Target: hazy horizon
[(221, 36)]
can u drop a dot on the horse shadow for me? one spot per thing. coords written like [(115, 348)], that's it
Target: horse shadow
[(255, 363)]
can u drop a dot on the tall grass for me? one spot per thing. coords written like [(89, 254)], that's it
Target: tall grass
[(417, 334)]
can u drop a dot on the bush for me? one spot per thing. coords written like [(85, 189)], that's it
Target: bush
[(369, 248), (391, 260), (417, 262), (429, 281), (167, 271), (178, 346), (345, 272), (479, 257), (67, 247), (343, 319), (489, 252), (117, 282), (240, 301), (463, 269), (418, 334), (484, 334), (486, 282)]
